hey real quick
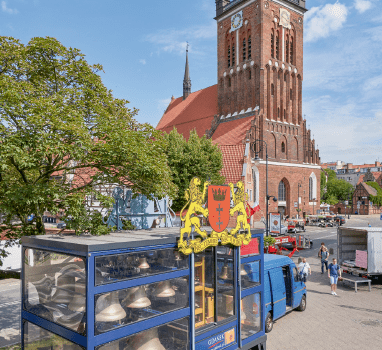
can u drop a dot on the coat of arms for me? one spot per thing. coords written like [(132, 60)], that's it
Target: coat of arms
[(218, 211)]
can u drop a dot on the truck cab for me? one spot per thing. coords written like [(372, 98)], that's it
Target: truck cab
[(284, 290)]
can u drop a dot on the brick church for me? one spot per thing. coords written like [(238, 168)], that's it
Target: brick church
[(257, 101)]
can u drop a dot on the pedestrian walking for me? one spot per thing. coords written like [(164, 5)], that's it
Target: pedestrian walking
[(303, 269), (324, 259), (321, 248), (333, 271)]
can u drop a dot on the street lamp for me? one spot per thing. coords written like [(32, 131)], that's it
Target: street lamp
[(257, 161), (298, 199)]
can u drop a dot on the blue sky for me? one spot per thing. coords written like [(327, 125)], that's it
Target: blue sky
[(141, 45)]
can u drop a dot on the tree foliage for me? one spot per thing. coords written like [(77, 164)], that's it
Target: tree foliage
[(62, 133), (337, 190), (197, 156)]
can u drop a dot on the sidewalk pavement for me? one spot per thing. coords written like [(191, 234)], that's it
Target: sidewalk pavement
[(347, 322)]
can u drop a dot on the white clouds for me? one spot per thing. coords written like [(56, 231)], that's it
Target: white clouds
[(362, 5), (175, 41), (320, 22), (142, 61), (5, 9)]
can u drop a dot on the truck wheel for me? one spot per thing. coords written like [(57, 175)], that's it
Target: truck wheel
[(302, 305), (268, 323)]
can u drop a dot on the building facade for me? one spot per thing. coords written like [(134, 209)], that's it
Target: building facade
[(256, 107)]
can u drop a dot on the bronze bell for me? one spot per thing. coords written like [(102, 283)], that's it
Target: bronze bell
[(143, 264), (137, 298), (65, 289), (78, 302), (164, 290), (226, 275), (147, 340), (108, 308), (72, 321), (242, 270)]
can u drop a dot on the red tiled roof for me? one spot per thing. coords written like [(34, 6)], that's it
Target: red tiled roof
[(376, 175), (232, 132), (369, 189), (232, 162), (195, 112)]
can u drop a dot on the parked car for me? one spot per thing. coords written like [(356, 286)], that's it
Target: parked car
[(284, 290), (340, 220)]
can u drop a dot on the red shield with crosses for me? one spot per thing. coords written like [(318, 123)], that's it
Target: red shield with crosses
[(219, 200)]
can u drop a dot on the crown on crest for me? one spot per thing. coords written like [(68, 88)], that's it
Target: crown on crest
[(219, 195)]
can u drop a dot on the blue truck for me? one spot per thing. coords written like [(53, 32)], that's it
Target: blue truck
[(284, 290)]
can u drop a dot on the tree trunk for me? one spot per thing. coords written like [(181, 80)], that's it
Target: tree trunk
[(40, 225)]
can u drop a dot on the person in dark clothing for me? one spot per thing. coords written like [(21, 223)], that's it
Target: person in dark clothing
[(324, 259)]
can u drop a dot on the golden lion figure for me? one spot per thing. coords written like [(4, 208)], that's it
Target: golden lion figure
[(196, 199), (239, 199)]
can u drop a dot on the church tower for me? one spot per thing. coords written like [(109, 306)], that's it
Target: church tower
[(260, 58), (186, 80)]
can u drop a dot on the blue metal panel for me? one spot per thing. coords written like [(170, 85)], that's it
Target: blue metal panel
[(139, 281), (54, 328), (253, 290), (132, 250), (278, 292), (219, 341), (216, 331), (250, 258), (140, 326), (90, 317)]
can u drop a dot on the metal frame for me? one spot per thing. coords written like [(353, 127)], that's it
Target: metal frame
[(91, 341)]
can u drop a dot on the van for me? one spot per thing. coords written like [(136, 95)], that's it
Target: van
[(284, 290)]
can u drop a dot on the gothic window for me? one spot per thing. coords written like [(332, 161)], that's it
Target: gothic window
[(229, 57), (287, 49), (310, 188), (282, 147), (282, 192), (284, 114), (291, 59), (277, 47), (272, 45), (272, 89), (249, 74), (229, 82), (278, 113), (285, 77), (291, 94), (249, 48), (244, 50), (233, 55)]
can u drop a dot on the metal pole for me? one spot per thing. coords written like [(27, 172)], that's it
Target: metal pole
[(298, 201), (266, 169)]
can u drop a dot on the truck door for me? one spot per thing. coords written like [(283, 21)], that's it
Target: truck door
[(298, 288), (278, 292)]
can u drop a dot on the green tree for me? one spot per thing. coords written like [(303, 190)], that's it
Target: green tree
[(58, 121), (197, 156), (377, 200), (339, 189)]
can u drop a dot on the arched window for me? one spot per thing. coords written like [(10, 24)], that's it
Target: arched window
[(277, 46), (278, 113), (249, 74), (312, 187), (283, 147), (244, 50), (272, 45), (284, 114), (287, 48), (249, 48), (291, 94), (233, 54), (272, 89), (282, 192), (291, 61), (229, 57), (229, 81)]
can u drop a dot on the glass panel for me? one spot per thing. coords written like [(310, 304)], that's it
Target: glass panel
[(170, 336), (253, 248), (250, 315), (37, 338), (250, 274), (225, 285), (204, 288), (55, 288), (126, 306), (119, 267)]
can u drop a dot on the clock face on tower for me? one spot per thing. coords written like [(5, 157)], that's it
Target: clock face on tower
[(236, 21)]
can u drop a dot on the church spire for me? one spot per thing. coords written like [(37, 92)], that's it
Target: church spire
[(186, 80)]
